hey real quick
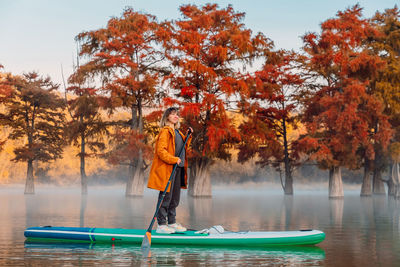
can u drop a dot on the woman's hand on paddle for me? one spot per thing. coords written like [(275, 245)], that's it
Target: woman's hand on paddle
[(179, 161), (189, 130)]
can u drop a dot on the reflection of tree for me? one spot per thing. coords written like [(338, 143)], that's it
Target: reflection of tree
[(30, 210), (199, 211), (394, 213), (82, 210), (287, 212), (136, 207), (381, 241), (29, 218), (374, 234), (366, 218), (336, 212)]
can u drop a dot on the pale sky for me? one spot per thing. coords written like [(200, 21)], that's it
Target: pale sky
[(39, 34)]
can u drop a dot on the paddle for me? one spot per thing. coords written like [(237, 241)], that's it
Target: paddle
[(146, 243)]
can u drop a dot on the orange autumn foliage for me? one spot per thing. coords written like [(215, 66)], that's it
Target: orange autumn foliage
[(339, 113), (204, 46)]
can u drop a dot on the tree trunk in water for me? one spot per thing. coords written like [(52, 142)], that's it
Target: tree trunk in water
[(397, 192), (391, 183), (391, 188), (135, 185), (288, 180), (378, 185), (366, 187), (396, 179), (30, 183), (288, 173), (84, 188), (200, 182), (83, 171), (335, 183)]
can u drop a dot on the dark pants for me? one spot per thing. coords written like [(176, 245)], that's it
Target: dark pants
[(171, 200)]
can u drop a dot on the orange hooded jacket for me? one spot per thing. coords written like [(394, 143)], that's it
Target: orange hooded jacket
[(164, 160)]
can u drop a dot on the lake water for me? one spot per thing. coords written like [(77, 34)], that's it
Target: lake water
[(359, 231)]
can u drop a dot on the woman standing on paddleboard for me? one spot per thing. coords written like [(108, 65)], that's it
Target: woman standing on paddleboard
[(168, 144)]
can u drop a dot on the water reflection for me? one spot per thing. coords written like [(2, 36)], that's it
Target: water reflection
[(286, 212), (29, 208), (336, 212), (394, 212), (82, 210), (175, 256), (359, 231), (199, 210)]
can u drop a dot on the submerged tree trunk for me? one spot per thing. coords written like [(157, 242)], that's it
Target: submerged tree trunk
[(200, 182), (30, 183), (84, 187), (83, 171), (288, 172), (335, 183), (366, 187), (288, 180), (378, 185), (391, 188), (390, 182), (395, 178), (135, 184)]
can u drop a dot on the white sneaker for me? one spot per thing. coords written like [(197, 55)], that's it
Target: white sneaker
[(165, 229), (177, 227)]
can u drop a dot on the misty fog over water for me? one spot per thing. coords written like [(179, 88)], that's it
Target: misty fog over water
[(359, 231)]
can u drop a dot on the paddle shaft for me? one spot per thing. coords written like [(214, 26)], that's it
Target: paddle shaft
[(160, 201)]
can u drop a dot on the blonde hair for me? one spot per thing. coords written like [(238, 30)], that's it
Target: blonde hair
[(164, 118)]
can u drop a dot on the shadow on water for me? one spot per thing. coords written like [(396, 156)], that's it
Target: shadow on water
[(174, 255)]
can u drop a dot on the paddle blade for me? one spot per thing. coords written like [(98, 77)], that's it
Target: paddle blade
[(146, 244)]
